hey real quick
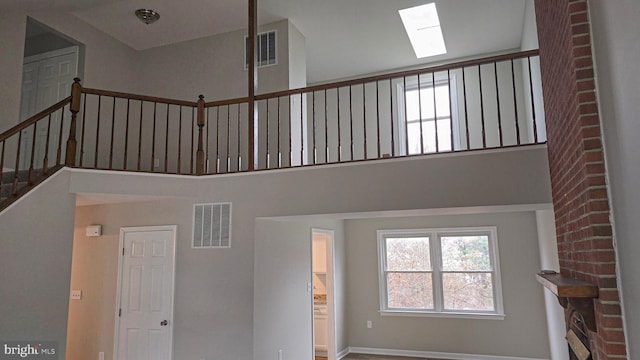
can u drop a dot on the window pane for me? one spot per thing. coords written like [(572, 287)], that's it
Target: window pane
[(465, 253), (465, 291), (409, 290), (408, 254)]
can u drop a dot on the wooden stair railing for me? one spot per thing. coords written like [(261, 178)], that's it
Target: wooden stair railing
[(486, 103), (32, 151)]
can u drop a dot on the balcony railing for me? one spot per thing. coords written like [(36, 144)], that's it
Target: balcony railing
[(479, 104)]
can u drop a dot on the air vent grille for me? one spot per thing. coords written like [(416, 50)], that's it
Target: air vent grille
[(266, 49), (211, 226)]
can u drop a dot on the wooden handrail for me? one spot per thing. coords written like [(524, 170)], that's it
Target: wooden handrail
[(32, 120), (123, 95), (399, 74), (226, 102)]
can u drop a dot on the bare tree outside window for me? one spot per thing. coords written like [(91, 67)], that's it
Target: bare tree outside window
[(439, 271)]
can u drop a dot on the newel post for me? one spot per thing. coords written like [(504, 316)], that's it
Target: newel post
[(200, 153), (76, 94)]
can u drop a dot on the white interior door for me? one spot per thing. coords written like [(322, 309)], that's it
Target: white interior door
[(46, 79), (144, 327)]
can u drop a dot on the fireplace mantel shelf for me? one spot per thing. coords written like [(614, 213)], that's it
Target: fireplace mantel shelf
[(572, 294), (565, 287)]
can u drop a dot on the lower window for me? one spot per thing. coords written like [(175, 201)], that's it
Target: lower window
[(440, 272)]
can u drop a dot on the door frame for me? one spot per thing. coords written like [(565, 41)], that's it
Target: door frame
[(123, 231), (331, 306)]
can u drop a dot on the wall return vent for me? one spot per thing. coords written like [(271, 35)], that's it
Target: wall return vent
[(265, 49), (211, 226)]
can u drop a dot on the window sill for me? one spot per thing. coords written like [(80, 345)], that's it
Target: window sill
[(451, 315)]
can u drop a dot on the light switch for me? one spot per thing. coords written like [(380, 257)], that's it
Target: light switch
[(76, 294)]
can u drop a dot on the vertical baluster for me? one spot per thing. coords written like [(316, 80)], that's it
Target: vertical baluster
[(406, 120), (378, 116), (228, 137), (140, 135), (495, 71), (238, 143), (113, 126), (290, 132), (2, 165), (95, 160), (339, 131), (419, 115), (453, 147), (267, 152), (301, 131), (533, 105), (17, 165), (466, 110), (217, 139), (313, 127), (515, 102), (153, 137), (76, 93), (391, 122), (84, 118), (45, 161), (166, 142), (279, 160), (352, 146), (180, 140), (200, 151), (484, 135), (326, 129), (193, 130), (435, 110), (33, 154), (60, 132), (364, 120), (126, 136)]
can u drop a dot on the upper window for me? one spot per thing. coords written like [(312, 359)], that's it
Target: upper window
[(440, 272), (428, 125), (265, 49)]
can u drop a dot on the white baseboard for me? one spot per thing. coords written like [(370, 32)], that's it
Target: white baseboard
[(428, 354), (342, 353)]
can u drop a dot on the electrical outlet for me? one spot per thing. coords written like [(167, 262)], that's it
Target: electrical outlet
[(156, 163), (101, 355), (76, 294), (369, 324)]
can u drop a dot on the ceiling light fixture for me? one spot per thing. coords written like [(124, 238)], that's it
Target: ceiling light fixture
[(147, 16)]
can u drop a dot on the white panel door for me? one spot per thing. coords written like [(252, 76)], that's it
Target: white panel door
[(145, 322), (46, 79)]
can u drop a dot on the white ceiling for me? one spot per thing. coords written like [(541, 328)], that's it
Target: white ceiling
[(344, 38)]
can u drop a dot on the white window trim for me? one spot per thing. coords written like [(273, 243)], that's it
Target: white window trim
[(425, 82), (439, 311)]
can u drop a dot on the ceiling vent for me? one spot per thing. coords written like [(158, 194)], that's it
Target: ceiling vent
[(211, 226), (265, 48)]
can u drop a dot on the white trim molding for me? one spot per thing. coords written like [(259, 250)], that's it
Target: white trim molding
[(344, 352), (430, 354)]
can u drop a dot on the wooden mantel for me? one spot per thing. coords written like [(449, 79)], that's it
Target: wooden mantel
[(572, 294)]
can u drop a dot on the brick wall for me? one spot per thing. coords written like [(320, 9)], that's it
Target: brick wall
[(580, 197)]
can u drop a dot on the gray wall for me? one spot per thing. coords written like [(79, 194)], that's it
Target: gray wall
[(108, 64), (616, 51), (35, 264), (214, 306), (521, 334)]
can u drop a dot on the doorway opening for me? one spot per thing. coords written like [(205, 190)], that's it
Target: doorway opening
[(324, 334), (51, 61)]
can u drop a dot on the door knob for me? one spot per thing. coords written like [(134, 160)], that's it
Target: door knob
[(164, 323)]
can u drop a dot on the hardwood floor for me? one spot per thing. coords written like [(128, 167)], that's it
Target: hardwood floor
[(374, 357)]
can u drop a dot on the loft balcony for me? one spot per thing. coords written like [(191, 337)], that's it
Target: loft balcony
[(487, 103)]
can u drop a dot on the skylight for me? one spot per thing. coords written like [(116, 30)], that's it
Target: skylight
[(423, 27)]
